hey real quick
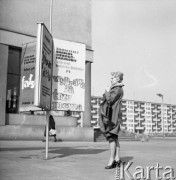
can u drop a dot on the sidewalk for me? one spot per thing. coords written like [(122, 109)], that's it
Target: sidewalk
[(25, 160)]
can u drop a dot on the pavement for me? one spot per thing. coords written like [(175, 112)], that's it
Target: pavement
[(25, 160)]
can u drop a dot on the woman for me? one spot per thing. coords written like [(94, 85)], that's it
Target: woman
[(52, 131), (111, 117)]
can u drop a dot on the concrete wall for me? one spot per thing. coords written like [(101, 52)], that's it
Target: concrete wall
[(24, 119), (3, 80), (31, 127), (36, 132), (87, 113), (71, 19), (14, 39)]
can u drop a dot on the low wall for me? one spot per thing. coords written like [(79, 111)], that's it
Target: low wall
[(25, 119), (36, 132), (31, 127)]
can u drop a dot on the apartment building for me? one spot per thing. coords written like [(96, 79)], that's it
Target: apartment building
[(141, 116)]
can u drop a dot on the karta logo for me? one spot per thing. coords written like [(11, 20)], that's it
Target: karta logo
[(141, 173)]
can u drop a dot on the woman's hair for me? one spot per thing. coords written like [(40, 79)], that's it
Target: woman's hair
[(117, 74), (51, 117)]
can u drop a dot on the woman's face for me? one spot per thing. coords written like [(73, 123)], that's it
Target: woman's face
[(113, 80)]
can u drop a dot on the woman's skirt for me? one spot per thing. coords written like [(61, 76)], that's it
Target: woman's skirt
[(112, 135)]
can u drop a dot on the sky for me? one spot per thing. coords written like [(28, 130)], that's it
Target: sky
[(138, 38)]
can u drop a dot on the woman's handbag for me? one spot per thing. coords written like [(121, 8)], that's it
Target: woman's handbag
[(107, 116), (52, 132)]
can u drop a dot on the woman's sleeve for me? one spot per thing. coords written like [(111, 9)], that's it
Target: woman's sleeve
[(106, 96), (114, 95), (102, 127)]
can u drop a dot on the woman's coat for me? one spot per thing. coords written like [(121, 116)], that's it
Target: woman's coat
[(110, 111)]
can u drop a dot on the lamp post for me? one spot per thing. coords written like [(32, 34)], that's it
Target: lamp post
[(162, 105)]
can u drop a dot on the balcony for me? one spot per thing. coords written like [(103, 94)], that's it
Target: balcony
[(95, 116), (139, 128), (96, 106), (93, 111)]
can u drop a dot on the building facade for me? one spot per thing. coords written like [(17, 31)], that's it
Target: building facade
[(141, 116), (67, 20)]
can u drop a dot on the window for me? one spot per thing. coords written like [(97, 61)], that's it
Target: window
[(13, 80)]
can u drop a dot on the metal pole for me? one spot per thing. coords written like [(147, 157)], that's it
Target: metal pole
[(162, 111), (51, 11), (48, 112), (163, 116)]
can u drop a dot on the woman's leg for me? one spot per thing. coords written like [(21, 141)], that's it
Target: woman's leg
[(112, 145), (55, 139), (117, 154)]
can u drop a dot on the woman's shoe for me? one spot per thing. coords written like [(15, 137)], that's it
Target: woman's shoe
[(113, 165)]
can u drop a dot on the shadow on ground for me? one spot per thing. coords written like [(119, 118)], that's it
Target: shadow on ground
[(57, 152), (126, 159), (24, 149), (67, 151)]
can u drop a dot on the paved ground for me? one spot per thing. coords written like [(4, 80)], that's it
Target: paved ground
[(24, 160)]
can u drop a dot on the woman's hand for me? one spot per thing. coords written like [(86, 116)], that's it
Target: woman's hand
[(107, 89)]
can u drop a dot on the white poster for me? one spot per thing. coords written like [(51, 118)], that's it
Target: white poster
[(68, 85), (28, 61), (43, 70)]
